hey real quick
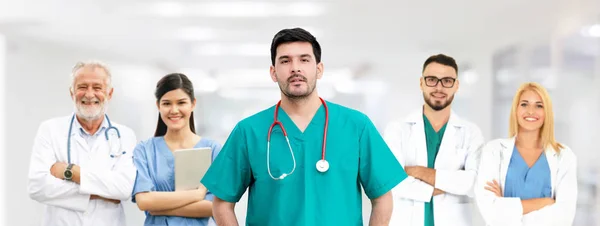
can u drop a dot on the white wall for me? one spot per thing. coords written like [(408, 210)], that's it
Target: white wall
[(3, 145)]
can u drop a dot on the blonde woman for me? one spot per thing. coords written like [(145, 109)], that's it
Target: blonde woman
[(529, 178)]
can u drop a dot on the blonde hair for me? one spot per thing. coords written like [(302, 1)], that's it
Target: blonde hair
[(547, 130)]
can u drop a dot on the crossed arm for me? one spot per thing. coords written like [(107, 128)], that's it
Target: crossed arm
[(529, 205), (190, 203), (423, 182), (424, 174), (57, 170), (498, 210), (47, 185)]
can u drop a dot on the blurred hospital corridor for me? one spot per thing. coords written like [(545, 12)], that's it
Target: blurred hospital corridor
[(372, 50)]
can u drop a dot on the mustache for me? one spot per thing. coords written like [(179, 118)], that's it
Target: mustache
[(86, 100), (295, 76)]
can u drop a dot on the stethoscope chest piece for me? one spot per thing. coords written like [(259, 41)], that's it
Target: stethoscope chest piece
[(322, 165)]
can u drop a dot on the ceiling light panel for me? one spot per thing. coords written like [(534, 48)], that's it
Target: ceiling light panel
[(234, 9)]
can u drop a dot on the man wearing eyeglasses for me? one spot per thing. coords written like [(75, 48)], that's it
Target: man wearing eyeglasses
[(439, 151)]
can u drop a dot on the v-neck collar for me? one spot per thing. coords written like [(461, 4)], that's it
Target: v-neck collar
[(167, 152), (317, 122), (542, 157)]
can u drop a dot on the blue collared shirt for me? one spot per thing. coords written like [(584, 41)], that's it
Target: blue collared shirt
[(90, 139)]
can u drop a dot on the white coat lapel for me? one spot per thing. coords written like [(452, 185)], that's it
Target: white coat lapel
[(448, 145), (552, 157), (77, 142), (505, 154), (417, 138), (420, 143)]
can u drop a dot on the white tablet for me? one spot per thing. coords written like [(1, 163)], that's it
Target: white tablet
[(190, 167)]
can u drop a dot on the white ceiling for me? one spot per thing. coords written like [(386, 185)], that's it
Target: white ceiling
[(192, 34)]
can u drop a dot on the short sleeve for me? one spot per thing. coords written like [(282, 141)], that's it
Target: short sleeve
[(143, 182), (230, 175), (209, 196), (216, 149), (380, 171)]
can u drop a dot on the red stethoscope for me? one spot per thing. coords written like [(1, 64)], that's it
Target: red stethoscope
[(322, 164)]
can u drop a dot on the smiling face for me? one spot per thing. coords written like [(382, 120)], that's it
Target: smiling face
[(439, 84), (530, 111), (175, 109), (91, 92)]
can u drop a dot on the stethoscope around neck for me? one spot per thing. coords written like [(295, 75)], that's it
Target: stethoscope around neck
[(113, 153), (322, 164)]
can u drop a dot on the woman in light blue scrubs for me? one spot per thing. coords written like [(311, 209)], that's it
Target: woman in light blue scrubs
[(528, 179), (154, 190)]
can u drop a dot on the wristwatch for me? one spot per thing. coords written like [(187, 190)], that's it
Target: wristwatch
[(68, 174)]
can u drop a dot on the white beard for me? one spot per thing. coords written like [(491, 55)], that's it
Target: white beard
[(90, 112)]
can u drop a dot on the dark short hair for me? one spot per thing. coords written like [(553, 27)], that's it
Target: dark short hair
[(443, 60), (294, 35), (167, 84)]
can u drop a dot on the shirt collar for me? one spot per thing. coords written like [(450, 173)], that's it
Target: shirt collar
[(77, 126)]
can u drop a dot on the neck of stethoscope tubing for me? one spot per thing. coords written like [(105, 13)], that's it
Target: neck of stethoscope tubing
[(325, 131), (324, 146), (269, 159), (108, 120), (291, 152), (119, 153)]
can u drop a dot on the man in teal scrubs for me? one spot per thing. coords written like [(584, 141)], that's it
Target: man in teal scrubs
[(440, 152), (287, 186), (434, 139)]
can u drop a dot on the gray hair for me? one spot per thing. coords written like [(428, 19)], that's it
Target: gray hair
[(93, 64)]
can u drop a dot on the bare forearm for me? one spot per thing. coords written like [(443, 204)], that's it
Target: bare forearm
[(160, 201), (530, 205), (92, 197), (224, 213), (437, 192), (381, 211), (422, 173), (197, 209), (427, 176)]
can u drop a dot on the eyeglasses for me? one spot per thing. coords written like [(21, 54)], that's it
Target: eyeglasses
[(432, 81)]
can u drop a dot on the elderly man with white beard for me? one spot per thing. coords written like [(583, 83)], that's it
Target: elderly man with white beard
[(81, 165)]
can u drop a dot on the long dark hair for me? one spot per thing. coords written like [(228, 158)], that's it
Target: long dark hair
[(169, 83)]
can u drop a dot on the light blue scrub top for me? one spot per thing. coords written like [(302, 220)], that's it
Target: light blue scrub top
[(527, 183), (155, 172)]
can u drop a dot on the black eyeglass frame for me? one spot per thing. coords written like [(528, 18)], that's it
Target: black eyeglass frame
[(437, 80)]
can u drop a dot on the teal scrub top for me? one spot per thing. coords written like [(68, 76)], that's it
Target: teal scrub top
[(434, 140), (356, 152)]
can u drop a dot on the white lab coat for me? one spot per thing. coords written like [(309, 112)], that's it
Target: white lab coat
[(495, 158), (456, 169), (68, 203)]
